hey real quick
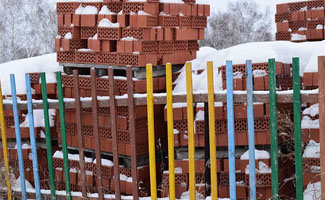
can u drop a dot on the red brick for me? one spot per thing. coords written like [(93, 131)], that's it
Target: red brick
[(60, 20), (294, 16), (120, 47), (259, 83), (200, 10), (259, 110), (128, 46), (88, 20), (76, 19), (121, 19), (57, 44), (67, 20), (238, 84), (308, 79), (96, 47)]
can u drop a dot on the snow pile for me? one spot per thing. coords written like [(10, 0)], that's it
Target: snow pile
[(259, 73), (199, 116), (74, 157), (307, 123), (312, 150), (88, 10), (259, 155), (106, 11), (312, 110), (106, 23), (262, 169), (68, 36), (105, 162), (313, 191), (298, 37), (186, 195), (39, 118), (46, 63), (282, 51)]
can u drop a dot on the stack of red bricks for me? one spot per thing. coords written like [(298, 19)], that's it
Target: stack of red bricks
[(262, 132), (129, 33), (104, 117), (300, 21), (91, 175)]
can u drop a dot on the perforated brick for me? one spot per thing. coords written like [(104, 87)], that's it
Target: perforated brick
[(34, 78), (262, 180), (66, 7), (199, 22), (152, 21), (85, 57), (65, 57), (168, 21), (282, 17), (87, 32), (132, 60), (98, 5), (193, 45), (109, 33), (262, 124), (102, 84), (181, 46), (67, 81), (115, 6), (310, 162), (132, 7), (185, 21), (293, 7), (314, 4), (283, 36), (165, 47), (62, 31), (313, 24), (181, 126), (107, 58), (137, 33), (145, 46), (297, 24), (77, 44)]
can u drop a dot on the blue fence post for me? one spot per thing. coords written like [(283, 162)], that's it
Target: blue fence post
[(32, 136), (231, 131), (18, 136), (251, 131)]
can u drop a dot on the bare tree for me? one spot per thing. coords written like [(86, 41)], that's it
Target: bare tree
[(27, 28), (242, 22)]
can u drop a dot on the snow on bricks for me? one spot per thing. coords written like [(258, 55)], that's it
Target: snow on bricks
[(300, 21), (101, 32)]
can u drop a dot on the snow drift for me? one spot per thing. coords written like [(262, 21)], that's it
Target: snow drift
[(258, 52)]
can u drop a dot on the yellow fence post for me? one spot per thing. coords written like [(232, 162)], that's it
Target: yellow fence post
[(151, 133), (213, 154), (190, 125), (4, 145), (170, 126)]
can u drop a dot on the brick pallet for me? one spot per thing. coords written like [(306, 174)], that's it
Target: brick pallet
[(129, 33), (300, 21)]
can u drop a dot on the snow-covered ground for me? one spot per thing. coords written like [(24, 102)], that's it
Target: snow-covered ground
[(258, 52), (46, 63)]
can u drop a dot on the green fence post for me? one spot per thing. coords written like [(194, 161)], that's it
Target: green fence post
[(64, 136), (48, 135), (274, 130), (297, 126)]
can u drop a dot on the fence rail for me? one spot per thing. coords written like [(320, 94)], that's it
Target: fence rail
[(273, 97), (307, 96)]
